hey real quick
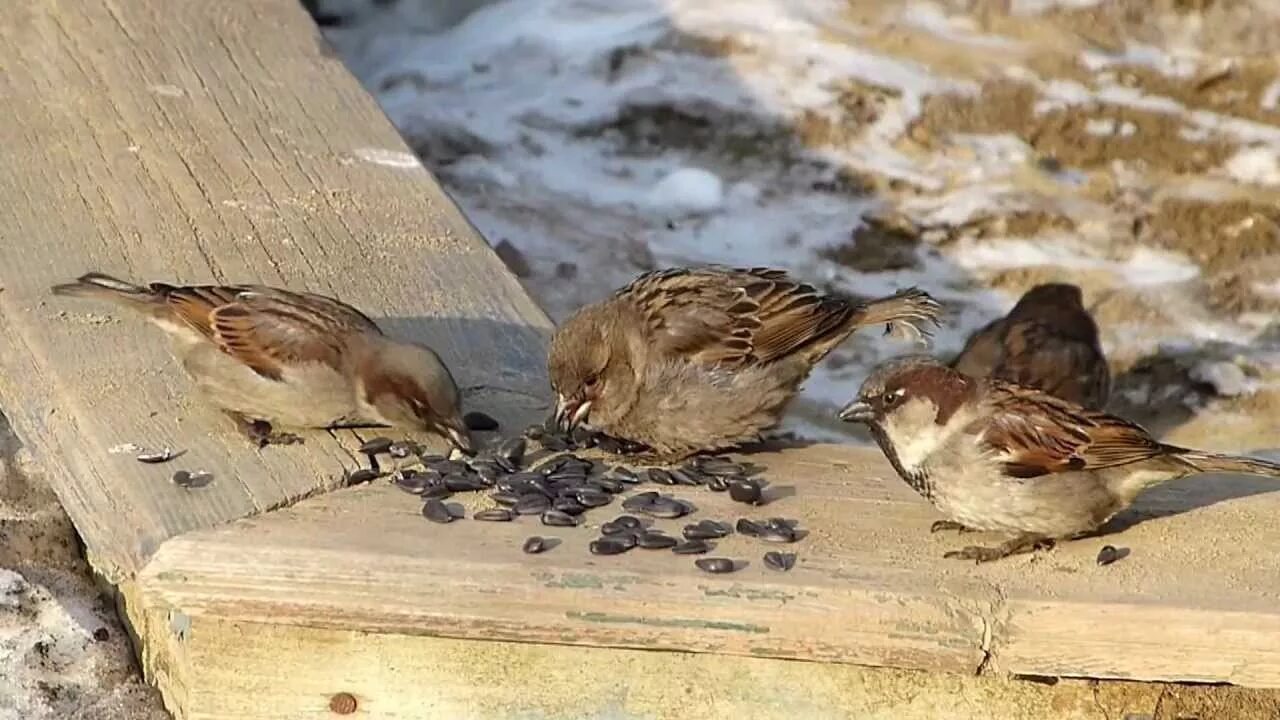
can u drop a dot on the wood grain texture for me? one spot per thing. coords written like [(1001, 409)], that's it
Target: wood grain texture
[(870, 588), (195, 141)]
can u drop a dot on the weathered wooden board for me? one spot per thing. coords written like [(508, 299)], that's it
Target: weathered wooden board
[(197, 141), (1193, 601)]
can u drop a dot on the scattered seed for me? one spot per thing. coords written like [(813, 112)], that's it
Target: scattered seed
[(361, 476), (1110, 553), (403, 449), (192, 480), (717, 483), (706, 530), (661, 477), (376, 446), (750, 528), (626, 475), (555, 518), (654, 540), (746, 491), (477, 420), (781, 562), (639, 500), (778, 534), (464, 483), (437, 492), (684, 476), (716, 565), (512, 449), (493, 515), (666, 507), (568, 506), (532, 504), (691, 547), (609, 546), (414, 483), (505, 498), (535, 545), (436, 511), (594, 498), (163, 456)]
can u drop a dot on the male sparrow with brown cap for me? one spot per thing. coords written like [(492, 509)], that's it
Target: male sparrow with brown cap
[(998, 457), (1047, 341), (270, 356), (694, 359)]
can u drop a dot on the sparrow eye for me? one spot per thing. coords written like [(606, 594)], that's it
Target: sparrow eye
[(591, 381), (892, 397)]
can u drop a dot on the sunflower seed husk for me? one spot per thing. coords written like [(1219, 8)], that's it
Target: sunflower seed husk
[(594, 498), (1110, 553), (781, 562), (639, 500), (436, 511), (191, 480), (722, 466), (403, 449), (493, 515), (555, 518), (535, 545), (746, 491), (607, 484), (683, 476), (163, 456), (363, 475), (464, 483), (750, 528), (608, 546), (717, 483), (716, 565), (706, 530), (376, 446), (691, 547), (436, 492), (654, 540), (626, 475), (666, 507), (661, 477), (532, 504), (568, 506), (412, 482), (476, 420), (778, 534)]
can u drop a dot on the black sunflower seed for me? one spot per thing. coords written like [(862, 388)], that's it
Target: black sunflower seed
[(402, 449), (661, 477), (639, 500), (721, 466), (436, 511), (746, 491), (1110, 553), (684, 476), (666, 507), (778, 534), (414, 483), (706, 530), (607, 484), (626, 475), (477, 420), (555, 518), (691, 547), (654, 540), (608, 546), (716, 565), (568, 506), (494, 515), (717, 483), (505, 498), (192, 480), (594, 498), (750, 528), (376, 446), (437, 492), (532, 504), (535, 545), (464, 483), (781, 562), (363, 475)]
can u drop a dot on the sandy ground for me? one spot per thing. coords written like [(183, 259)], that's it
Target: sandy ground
[(972, 147)]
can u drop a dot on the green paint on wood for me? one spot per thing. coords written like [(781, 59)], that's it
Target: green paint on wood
[(611, 619)]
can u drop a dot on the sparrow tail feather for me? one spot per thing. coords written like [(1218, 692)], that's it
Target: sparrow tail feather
[(1206, 462), (912, 310)]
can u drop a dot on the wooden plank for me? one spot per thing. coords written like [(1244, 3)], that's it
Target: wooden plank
[(197, 141), (871, 587)]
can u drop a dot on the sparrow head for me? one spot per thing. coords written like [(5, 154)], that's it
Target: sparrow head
[(909, 393), (409, 386), (589, 366), (1059, 295)]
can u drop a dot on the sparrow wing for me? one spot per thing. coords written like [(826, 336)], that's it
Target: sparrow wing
[(734, 316), (1038, 434), (983, 351), (267, 328)]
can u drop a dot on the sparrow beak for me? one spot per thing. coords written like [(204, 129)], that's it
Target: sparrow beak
[(570, 413), (856, 411), (461, 439)]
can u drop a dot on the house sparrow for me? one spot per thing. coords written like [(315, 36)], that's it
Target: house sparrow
[(1049, 342), (686, 360), (993, 456), (266, 355)]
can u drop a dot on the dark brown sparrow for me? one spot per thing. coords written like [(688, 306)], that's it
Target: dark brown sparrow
[(998, 457), (1049, 342), (686, 360), (266, 355)]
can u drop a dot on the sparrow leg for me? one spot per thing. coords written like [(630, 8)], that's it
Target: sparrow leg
[(260, 432), (1023, 543), (940, 525)]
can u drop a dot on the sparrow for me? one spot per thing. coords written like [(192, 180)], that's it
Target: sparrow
[(686, 360), (997, 457), (268, 356), (1048, 341)]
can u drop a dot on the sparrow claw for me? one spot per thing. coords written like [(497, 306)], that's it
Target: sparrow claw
[(1020, 544), (940, 525)]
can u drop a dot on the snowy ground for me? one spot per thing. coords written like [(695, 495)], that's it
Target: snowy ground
[(972, 148)]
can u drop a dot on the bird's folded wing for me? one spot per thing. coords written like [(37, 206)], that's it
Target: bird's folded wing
[(1037, 434), (733, 317)]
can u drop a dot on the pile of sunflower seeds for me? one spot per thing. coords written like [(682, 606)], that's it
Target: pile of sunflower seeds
[(561, 488)]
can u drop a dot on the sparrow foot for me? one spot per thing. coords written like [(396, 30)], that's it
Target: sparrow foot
[(261, 434), (940, 525), (1020, 544)]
